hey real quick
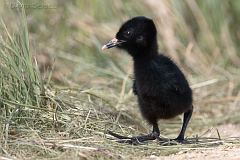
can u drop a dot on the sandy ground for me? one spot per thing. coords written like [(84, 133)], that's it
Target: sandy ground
[(218, 153)]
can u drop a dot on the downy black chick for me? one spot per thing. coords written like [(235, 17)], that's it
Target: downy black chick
[(161, 88)]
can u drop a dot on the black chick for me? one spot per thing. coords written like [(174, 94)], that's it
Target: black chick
[(161, 88)]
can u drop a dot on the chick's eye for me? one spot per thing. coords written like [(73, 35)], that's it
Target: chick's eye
[(127, 33)]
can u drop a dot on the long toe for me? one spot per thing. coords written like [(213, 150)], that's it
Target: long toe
[(129, 141), (133, 141), (140, 139)]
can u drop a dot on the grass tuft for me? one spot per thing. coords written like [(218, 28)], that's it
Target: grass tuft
[(20, 80)]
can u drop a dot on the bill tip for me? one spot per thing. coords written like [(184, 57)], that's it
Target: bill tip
[(104, 47)]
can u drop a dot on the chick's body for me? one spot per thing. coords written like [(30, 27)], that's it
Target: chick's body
[(162, 90)]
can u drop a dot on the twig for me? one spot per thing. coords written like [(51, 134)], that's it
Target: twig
[(205, 83), (4, 158), (67, 146)]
